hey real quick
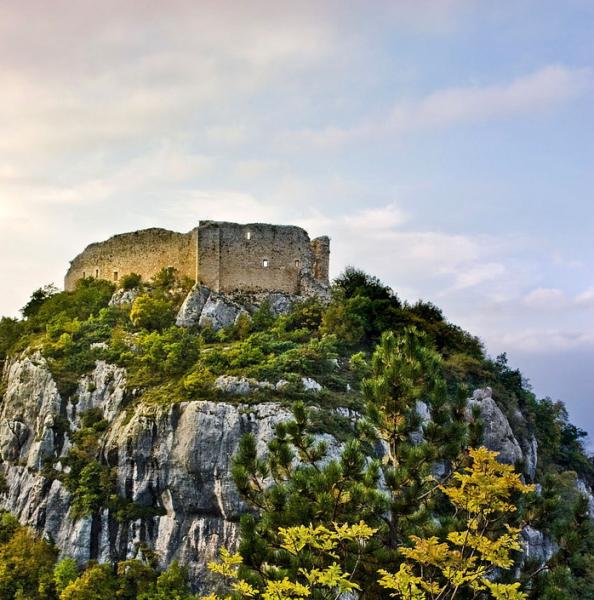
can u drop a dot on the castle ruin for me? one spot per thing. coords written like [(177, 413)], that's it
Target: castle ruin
[(225, 257)]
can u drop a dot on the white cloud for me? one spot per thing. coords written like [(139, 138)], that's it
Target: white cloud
[(586, 298), (545, 341), (375, 221), (475, 275), (546, 299), (539, 91), (255, 168)]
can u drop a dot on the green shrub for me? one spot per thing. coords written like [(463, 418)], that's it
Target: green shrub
[(26, 563), (199, 382), (171, 352), (10, 332), (38, 297), (131, 281), (152, 313), (65, 572)]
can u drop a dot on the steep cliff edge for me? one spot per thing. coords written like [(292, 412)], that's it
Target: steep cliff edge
[(173, 460)]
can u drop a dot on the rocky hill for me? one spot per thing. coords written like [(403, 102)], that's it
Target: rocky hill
[(122, 410)]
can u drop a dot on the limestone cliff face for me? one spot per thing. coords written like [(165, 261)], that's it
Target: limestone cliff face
[(174, 459)]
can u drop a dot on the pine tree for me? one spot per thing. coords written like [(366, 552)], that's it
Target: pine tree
[(300, 483), (405, 382)]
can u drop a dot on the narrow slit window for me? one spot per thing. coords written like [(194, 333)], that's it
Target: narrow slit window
[(84, 274), (248, 235), (265, 263), (96, 273), (115, 275), (297, 263)]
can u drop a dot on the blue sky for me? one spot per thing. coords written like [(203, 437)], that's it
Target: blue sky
[(446, 146)]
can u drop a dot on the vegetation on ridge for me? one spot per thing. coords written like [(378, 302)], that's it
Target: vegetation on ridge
[(391, 355)]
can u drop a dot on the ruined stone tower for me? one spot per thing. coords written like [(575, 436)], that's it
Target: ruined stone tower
[(225, 257)]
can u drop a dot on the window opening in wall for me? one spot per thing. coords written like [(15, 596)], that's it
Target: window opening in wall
[(84, 274), (96, 273), (297, 263), (248, 235), (265, 263), (115, 275)]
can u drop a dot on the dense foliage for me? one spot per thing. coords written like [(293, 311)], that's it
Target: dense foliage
[(29, 570), (393, 365), (326, 559)]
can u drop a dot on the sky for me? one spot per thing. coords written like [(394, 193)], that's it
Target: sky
[(445, 146)]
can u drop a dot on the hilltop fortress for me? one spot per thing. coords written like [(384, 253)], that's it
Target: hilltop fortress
[(224, 257)]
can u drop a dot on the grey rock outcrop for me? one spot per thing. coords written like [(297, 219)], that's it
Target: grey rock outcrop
[(29, 412), (202, 306), (497, 435), (240, 386), (191, 309), (123, 297), (104, 389), (281, 304), (586, 491), (537, 546), (530, 451), (220, 312), (310, 385)]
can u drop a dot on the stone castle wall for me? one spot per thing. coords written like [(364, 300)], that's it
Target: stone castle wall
[(225, 257), (144, 252), (254, 257)]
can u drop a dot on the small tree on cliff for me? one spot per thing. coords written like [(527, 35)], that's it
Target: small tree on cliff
[(298, 483), (420, 425)]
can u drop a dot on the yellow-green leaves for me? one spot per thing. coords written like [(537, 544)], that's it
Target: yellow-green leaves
[(482, 493), (486, 487), (405, 584), (229, 564), (295, 539), (321, 540)]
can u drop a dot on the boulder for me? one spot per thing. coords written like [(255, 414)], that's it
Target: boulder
[(311, 385), (220, 312), (280, 304), (281, 384), (536, 546), (124, 297), (497, 435), (240, 386), (191, 309)]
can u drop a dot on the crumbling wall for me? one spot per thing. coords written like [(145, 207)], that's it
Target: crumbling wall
[(144, 252), (225, 257), (254, 257), (321, 252)]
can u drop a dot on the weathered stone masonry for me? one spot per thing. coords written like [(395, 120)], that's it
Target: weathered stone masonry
[(226, 257)]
